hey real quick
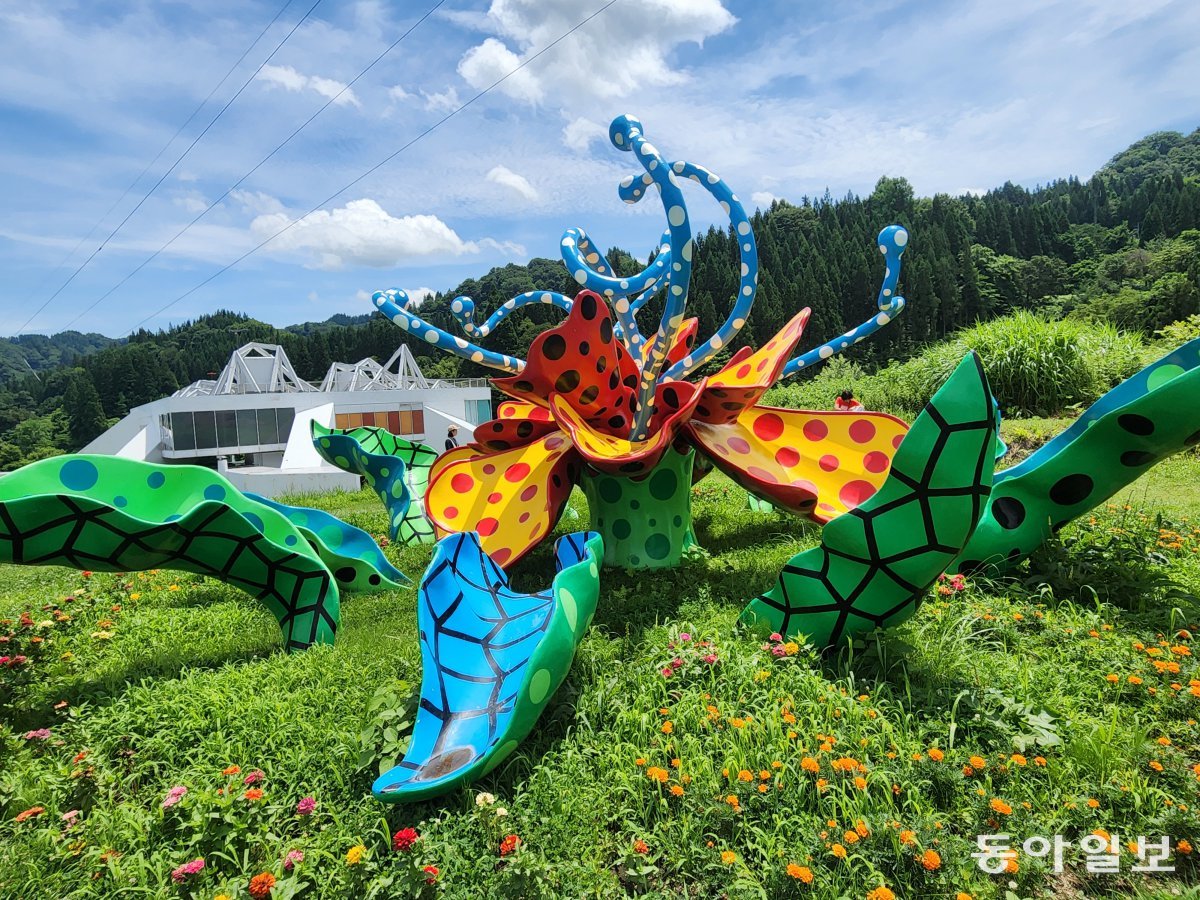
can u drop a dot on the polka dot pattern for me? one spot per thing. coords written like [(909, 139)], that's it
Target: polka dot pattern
[(739, 385), (504, 434), (518, 409), (581, 361), (818, 464), (463, 494)]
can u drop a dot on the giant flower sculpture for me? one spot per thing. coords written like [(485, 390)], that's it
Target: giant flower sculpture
[(600, 404)]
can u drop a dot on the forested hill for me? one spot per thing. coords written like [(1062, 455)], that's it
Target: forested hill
[(35, 352), (1123, 246)]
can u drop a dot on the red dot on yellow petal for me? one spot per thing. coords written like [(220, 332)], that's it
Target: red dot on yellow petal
[(462, 482), (787, 457), (487, 526), (768, 426)]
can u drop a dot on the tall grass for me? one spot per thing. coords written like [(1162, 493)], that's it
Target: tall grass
[(1036, 367)]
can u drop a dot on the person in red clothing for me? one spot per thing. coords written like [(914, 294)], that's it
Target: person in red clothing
[(845, 401)]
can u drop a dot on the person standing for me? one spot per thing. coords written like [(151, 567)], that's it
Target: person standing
[(451, 437)]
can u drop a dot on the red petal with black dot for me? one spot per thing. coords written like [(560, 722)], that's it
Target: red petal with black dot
[(619, 455), (817, 464), (580, 360), (517, 409), (684, 342), (512, 498), (747, 377), (504, 434)]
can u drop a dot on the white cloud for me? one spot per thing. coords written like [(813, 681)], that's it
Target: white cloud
[(510, 179), (290, 80), (446, 101), (396, 93), (419, 295), (363, 233), (623, 49), (763, 199), (579, 134)]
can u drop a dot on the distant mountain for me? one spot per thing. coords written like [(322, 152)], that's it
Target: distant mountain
[(1161, 153), (37, 352)]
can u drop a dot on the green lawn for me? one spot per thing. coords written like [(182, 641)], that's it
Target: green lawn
[(1068, 680)]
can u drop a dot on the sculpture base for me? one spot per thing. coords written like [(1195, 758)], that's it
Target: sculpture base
[(646, 522)]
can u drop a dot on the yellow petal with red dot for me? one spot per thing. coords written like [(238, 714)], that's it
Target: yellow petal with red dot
[(617, 455), (818, 464), (504, 434), (746, 378), (518, 409), (458, 454), (512, 498)]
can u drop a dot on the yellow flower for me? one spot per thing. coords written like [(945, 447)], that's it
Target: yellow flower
[(667, 727), (137, 596), (173, 587), (860, 782), (355, 854), (839, 851), (728, 857)]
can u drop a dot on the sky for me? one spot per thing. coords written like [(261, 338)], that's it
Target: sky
[(782, 98)]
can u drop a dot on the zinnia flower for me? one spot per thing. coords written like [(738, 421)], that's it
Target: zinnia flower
[(404, 839), (253, 794), (509, 844), (180, 874), (41, 734), (231, 770), (484, 799), (174, 795), (640, 846), (261, 884), (355, 854), (254, 777), (32, 813), (431, 874), (292, 859), (306, 806)]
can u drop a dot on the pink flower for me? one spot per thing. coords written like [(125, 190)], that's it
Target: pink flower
[(775, 636), (676, 663), (711, 658), (293, 857), (685, 637), (666, 673), (188, 868), (306, 806), (42, 734), (778, 650), (174, 795), (70, 817), (254, 777)]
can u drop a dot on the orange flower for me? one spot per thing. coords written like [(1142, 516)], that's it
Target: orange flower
[(861, 827), (850, 837), (808, 764), (1093, 803), (261, 884), (907, 836), (728, 857), (253, 794), (640, 846), (1010, 866), (822, 784), (1112, 677), (745, 775), (1164, 741), (800, 873), (860, 782), (676, 763), (881, 893), (936, 755), (1039, 761), (839, 851), (733, 801), (510, 843), (31, 813), (1018, 759), (931, 861), (1156, 765), (968, 771), (1000, 806), (963, 895), (978, 762), (654, 773), (231, 770), (1182, 846), (676, 791), (667, 727)]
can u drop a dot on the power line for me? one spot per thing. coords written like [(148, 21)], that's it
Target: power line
[(373, 168), (164, 175), (157, 156), (229, 190)]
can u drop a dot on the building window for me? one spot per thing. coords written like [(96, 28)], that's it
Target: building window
[(408, 421), (479, 411)]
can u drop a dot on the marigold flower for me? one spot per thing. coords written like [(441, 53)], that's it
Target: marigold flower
[(936, 755), (404, 839), (860, 782), (1010, 866), (1093, 803), (509, 844), (1134, 679), (822, 784), (1164, 741), (640, 846), (1039, 761), (978, 762), (907, 836), (728, 857), (763, 788), (931, 861), (1182, 846), (800, 873), (838, 850), (1018, 759), (881, 893), (667, 727), (654, 773), (850, 837), (732, 800), (261, 884), (968, 771), (639, 761), (963, 895), (1000, 806), (676, 790), (355, 854), (808, 764)]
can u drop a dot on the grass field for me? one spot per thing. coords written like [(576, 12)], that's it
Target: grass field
[(1062, 701)]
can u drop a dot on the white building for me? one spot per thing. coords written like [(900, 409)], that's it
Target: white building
[(254, 418)]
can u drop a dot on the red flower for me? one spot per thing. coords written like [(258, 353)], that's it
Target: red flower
[(261, 884), (431, 873), (404, 839), (509, 844), (640, 846)]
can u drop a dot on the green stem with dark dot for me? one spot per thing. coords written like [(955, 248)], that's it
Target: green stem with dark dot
[(646, 522)]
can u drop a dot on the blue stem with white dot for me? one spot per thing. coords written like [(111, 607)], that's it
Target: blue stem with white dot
[(393, 304)]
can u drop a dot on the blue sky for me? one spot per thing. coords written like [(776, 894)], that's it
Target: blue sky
[(781, 97)]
